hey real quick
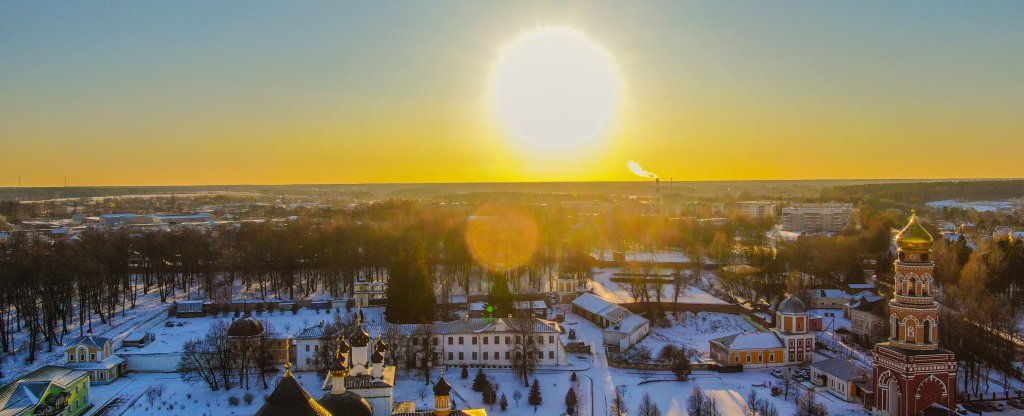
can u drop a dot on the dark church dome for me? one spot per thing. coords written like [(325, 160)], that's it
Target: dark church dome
[(791, 305), (346, 404), (359, 338), (290, 399), (245, 327), (442, 388)]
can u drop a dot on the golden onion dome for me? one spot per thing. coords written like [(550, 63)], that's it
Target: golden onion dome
[(914, 236)]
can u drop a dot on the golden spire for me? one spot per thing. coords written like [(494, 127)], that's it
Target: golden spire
[(288, 358), (914, 236)]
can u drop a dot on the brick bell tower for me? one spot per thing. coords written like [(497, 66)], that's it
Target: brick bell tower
[(911, 371)]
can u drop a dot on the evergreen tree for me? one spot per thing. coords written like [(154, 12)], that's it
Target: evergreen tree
[(570, 401), (500, 297), (480, 381), (410, 284), (535, 398), (503, 403), (488, 395), (465, 372), (573, 378)]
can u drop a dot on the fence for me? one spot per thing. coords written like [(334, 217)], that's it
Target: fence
[(641, 307)]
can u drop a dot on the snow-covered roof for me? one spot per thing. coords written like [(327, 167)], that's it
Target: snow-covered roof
[(476, 325), (630, 324), (828, 293), (89, 340), (313, 332), (190, 306), (106, 364), (530, 304), (601, 307), (841, 368), (26, 392), (750, 341)]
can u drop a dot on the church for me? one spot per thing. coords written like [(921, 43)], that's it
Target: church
[(357, 384), (788, 343), (911, 372)]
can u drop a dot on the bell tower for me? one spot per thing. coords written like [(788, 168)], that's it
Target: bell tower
[(914, 314), (911, 370)]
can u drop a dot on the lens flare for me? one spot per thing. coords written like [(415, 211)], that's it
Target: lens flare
[(501, 236)]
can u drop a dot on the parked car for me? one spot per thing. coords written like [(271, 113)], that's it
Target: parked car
[(1000, 406), (777, 373)]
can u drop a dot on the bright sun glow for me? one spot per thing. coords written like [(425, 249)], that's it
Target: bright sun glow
[(555, 88)]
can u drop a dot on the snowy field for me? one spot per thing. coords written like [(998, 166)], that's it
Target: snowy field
[(604, 287), (695, 330), (660, 256), (127, 396), (172, 338), (980, 206)]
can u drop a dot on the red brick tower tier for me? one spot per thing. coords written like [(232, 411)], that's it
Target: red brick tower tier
[(911, 371)]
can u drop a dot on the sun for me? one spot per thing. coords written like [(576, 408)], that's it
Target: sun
[(555, 88)]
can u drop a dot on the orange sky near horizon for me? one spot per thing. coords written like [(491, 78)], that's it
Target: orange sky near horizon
[(132, 94)]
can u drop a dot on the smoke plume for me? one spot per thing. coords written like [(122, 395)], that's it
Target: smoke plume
[(639, 170)]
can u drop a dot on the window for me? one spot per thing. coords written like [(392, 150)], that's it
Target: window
[(485, 340), (928, 331), (434, 341), (92, 356), (451, 356), (551, 339), (474, 340), (551, 355), (508, 340), (485, 354), (461, 341), (760, 357), (462, 355), (474, 355), (497, 340), (316, 347), (307, 347), (506, 355), (451, 340)]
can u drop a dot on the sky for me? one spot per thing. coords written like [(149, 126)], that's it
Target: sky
[(255, 92)]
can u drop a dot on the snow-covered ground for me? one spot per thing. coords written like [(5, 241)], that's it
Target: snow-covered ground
[(604, 287), (659, 256), (148, 306), (979, 206), (172, 338), (596, 380), (695, 330)]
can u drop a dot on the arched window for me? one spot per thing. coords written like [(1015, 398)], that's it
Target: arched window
[(895, 332), (928, 331)]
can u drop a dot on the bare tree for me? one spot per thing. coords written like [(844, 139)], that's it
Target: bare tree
[(208, 359), (424, 348), (525, 350), (619, 407), (648, 407)]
